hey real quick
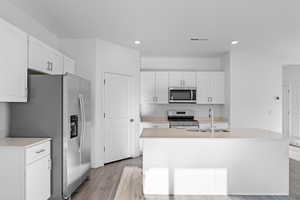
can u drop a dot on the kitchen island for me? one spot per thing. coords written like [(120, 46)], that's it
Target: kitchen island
[(191, 162)]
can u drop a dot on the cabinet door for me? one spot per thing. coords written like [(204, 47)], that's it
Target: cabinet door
[(13, 63), (189, 79), (203, 87), (38, 56), (38, 179), (217, 91), (43, 58), (56, 61), (162, 87), (175, 79), (69, 65), (148, 87)]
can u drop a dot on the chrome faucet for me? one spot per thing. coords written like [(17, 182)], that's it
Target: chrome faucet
[(211, 117)]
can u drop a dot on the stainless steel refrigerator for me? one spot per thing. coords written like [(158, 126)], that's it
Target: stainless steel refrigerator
[(58, 107)]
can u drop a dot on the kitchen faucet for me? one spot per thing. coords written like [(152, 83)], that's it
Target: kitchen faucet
[(211, 117)]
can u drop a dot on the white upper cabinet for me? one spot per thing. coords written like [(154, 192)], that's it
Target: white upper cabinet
[(210, 88), (43, 58), (162, 87), (175, 79), (69, 65), (182, 79), (154, 87), (13, 63), (148, 87), (189, 79)]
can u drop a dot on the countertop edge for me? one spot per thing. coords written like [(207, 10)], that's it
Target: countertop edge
[(42, 140)]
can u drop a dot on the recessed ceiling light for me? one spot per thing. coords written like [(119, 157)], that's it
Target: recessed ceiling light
[(234, 42), (137, 42)]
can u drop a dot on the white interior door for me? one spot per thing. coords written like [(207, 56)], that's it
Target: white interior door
[(117, 116)]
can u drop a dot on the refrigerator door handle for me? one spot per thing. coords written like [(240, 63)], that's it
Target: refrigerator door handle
[(82, 116)]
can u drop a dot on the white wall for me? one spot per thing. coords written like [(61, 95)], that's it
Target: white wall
[(94, 57), (225, 63), (181, 63), (256, 80), (20, 19), (291, 73), (25, 22)]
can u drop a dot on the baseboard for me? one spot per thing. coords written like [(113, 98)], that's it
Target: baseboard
[(258, 194), (97, 165)]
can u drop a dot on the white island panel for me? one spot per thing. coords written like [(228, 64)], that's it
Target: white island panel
[(215, 166)]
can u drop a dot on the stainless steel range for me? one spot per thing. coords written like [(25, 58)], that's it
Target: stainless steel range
[(182, 119)]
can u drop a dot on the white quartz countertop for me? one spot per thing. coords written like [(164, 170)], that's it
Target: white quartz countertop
[(236, 133), (22, 142)]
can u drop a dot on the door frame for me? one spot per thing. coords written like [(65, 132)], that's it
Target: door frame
[(286, 107), (131, 138)]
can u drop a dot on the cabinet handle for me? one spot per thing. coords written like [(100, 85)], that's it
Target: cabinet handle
[(40, 151), (48, 66)]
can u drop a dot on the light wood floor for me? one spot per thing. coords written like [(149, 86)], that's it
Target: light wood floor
[(104, 182)]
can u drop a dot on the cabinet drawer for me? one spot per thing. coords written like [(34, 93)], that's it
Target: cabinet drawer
[(36, 152)]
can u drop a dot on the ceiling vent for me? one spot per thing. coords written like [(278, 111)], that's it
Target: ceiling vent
[(199, 39)]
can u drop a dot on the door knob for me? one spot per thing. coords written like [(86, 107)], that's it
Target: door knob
[(131, 120)]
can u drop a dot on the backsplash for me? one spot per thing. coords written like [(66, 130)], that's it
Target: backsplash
[(160, 110), (4, 119)]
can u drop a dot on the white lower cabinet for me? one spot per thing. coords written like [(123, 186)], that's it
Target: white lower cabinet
[(25, 170), (37, 174)]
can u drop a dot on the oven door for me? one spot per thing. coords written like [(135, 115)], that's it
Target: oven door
[(181, 95)]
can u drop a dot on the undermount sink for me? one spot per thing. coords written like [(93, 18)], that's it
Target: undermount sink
[(208, 130)]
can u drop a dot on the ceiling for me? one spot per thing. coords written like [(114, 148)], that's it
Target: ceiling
[(165, 26)]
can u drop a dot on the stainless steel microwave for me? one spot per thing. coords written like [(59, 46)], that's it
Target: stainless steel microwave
[(182, 95)]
